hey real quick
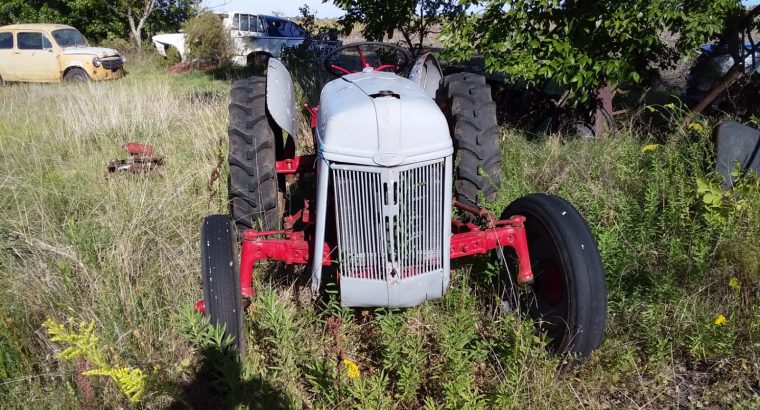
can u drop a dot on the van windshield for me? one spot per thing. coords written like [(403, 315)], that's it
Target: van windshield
[(69, 37)]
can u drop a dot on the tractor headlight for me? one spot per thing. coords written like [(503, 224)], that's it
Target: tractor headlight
[(96, 62)]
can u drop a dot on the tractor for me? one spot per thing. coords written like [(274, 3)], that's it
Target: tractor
[(404, 157)]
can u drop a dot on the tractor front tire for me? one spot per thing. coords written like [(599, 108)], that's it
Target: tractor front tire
[(466, 101), (568, 296), (255, 190), (221, 278)]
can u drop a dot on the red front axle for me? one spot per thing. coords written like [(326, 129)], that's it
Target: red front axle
[(468, 239)]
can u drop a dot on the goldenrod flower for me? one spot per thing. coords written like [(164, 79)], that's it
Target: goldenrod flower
[(720, 320), (650, 147), (81, 341), (697, 127), (352, 370), (131, 382)]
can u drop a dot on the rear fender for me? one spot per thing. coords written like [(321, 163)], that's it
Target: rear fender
[(281, 98), (427, 73)]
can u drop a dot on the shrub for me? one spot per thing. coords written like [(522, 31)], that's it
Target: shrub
[(207, 40), (124, 47)]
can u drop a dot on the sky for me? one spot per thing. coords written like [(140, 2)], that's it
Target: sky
[(288, 7)]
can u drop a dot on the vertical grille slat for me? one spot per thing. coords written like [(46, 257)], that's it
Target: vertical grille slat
[(412, 216)]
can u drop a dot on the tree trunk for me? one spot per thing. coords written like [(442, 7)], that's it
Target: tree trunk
[(603, 97), (135, 32)]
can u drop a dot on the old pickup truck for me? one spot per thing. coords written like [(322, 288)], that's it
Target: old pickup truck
[(255, 38), (50, 53)]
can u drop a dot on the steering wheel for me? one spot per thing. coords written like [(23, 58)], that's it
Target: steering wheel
[(332, 62)]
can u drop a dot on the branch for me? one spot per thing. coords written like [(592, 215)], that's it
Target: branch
[(736, 72), (728, 79)]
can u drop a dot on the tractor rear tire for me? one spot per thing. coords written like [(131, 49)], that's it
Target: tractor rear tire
[(568, 296), (255, 190), (466, 100), (221, 278)]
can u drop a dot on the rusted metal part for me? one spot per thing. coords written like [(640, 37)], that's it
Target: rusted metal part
[(135, 148), (483, 213), (142, 160)]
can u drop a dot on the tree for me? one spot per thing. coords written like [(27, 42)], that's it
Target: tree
[(139, 13), (96, 19), (413, 19), (585, 45)]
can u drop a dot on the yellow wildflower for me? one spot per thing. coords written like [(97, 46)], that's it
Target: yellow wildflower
[(650, 147), (720, 320), (130, 381), (734, 284), (696, 127), (352, 370), (81, 341)]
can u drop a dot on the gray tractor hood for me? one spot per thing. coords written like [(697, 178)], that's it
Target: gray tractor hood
[(378, 118)]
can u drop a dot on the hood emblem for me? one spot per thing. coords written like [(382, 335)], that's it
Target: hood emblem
[(388, 159)]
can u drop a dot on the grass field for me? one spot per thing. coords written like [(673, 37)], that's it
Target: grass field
[(682, 263)]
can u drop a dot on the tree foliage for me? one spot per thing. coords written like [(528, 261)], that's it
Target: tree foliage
[(156, 14), (413, 19), (96, 19), (585, 44)]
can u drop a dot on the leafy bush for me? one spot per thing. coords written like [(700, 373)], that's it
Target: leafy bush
[(584, 45), (414, 20), (207, 40)]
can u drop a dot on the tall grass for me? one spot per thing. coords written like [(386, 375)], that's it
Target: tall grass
[(118, 251), (123, 252)]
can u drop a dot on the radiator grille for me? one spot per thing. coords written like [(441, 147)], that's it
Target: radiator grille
[(112, 64), (390, 220)]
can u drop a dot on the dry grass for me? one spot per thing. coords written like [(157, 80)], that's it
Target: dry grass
[(122, 251)]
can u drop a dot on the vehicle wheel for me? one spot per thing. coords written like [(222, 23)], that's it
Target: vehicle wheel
[(255, 190), (568, 297), (221, 280), (76, 75), (466, 100)]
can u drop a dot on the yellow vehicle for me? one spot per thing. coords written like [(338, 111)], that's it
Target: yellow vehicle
[(51, 53)]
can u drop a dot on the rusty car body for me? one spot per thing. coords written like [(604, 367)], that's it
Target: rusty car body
[(51, 53)]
